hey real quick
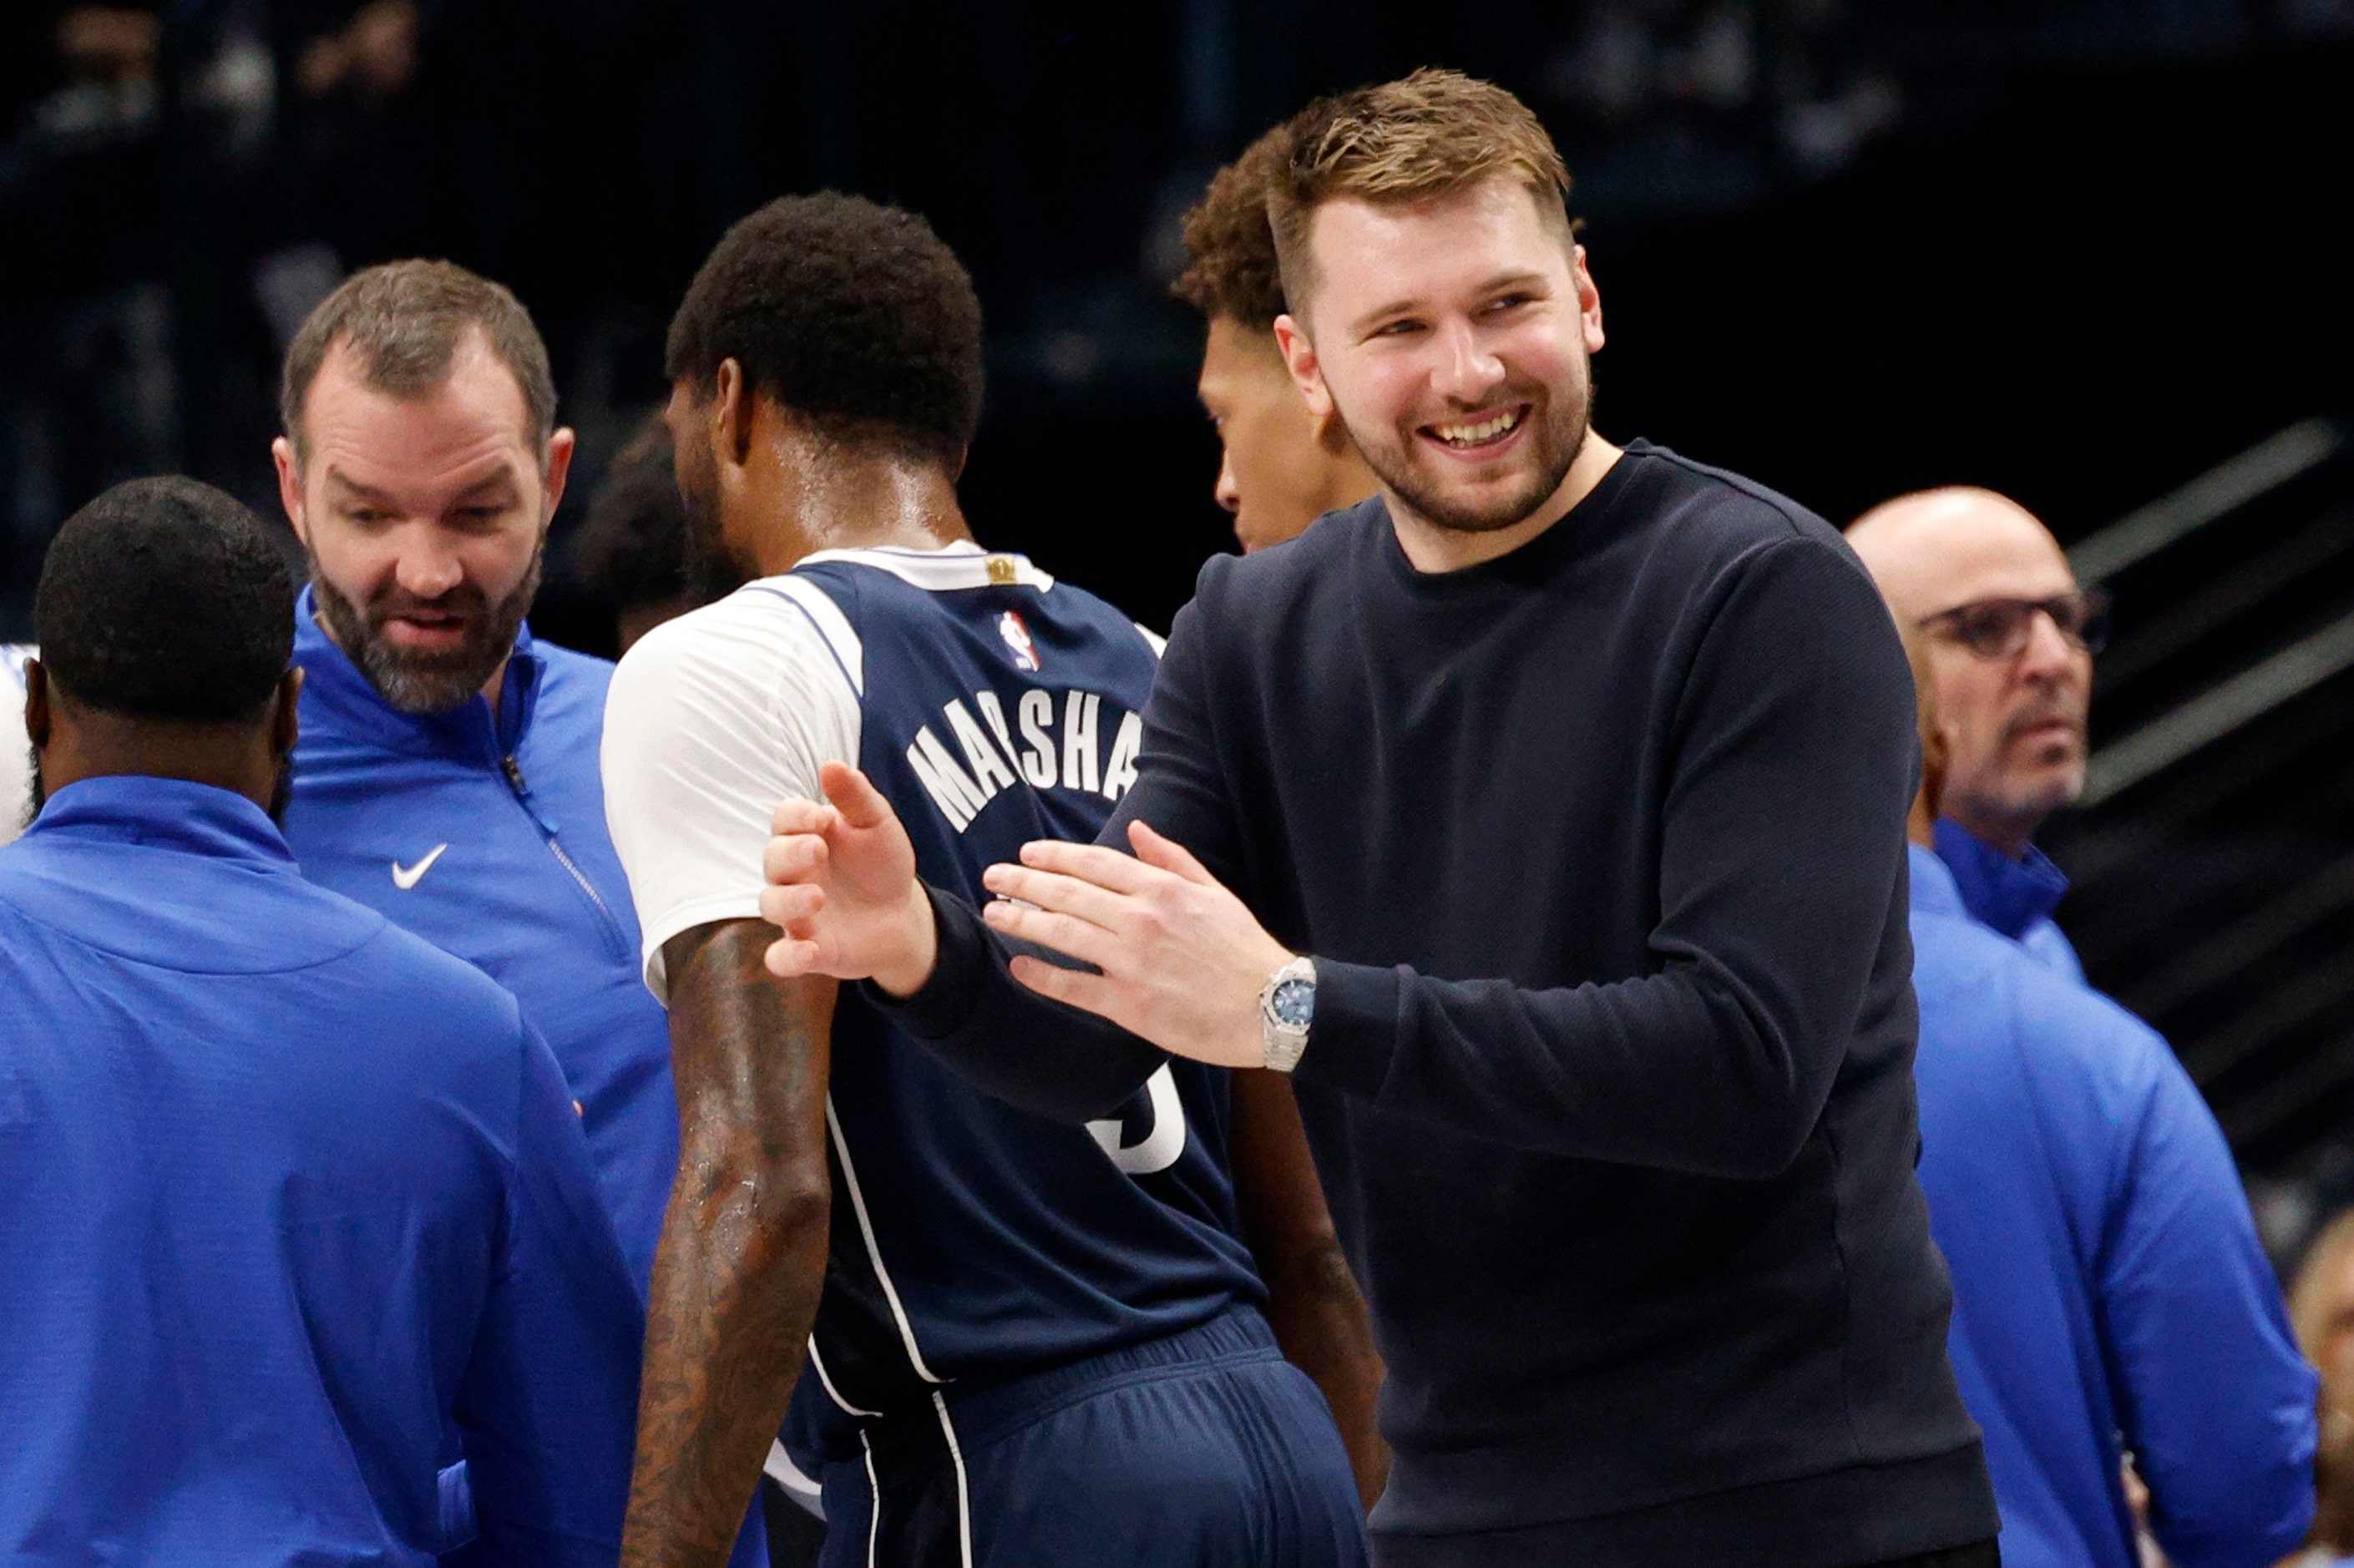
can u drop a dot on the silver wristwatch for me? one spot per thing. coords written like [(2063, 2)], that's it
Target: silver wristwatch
[(1287, 1006)]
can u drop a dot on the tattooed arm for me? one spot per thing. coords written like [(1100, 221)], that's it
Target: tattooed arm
[(743, 1247)]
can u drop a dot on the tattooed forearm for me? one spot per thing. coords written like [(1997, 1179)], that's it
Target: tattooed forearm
[(742, 1255)]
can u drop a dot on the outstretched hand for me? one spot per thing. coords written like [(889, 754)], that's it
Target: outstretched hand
[(842, 886), (1183, 960)]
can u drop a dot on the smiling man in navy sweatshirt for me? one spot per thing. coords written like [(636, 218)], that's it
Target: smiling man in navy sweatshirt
[(1544, 817)]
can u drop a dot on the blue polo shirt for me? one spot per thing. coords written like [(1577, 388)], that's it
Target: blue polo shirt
[(2012, 898), (282, 1190), (2108, 1287), (486, 836)]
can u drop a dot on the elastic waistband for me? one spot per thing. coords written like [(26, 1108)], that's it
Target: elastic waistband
[(984, 1414)]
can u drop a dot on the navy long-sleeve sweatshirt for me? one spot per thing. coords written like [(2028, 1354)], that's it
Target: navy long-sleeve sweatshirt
[(1599, 850)]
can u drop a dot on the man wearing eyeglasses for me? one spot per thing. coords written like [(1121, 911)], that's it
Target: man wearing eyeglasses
[(2109, 1290), (2009, 638)]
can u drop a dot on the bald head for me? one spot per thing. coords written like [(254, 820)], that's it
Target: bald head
[(2013, 722), (1937, 548)]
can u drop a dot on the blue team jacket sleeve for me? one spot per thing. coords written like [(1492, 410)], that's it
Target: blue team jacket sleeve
[(548, 1401), (2213, 1398), (1781, 868)]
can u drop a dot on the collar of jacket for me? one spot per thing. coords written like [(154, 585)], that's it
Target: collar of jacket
[(163, 813), (2005, 894), (337, 689), (1934, 892)]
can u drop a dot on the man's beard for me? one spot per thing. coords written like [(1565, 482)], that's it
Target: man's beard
[(1562, 427), (282, 790), (417, 681), (713, 570)]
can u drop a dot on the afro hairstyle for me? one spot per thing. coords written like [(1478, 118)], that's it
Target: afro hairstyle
[(852, 314)]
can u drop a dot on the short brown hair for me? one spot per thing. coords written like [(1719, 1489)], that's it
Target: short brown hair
[(1431, 134), (1230, 266), (406, 319)]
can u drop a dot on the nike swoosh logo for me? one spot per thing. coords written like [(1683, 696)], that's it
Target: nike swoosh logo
[(406, 878)]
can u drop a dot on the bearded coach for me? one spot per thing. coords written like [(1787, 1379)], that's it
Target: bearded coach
[(1544, 817)]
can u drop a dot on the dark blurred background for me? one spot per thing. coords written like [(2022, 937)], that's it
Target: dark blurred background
[(2098, 254)]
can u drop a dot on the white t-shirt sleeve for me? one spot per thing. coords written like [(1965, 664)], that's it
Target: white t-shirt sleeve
[(712, 719), (16, 749)]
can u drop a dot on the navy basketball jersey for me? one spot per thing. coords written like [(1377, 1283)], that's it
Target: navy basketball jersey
[(971, 1240)]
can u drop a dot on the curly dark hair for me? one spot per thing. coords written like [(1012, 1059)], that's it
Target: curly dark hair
[(852, 313), (1230, 267), (165, 599), (632, 546)]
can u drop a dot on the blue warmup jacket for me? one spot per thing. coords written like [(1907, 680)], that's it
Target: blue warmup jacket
[(2012, 898), (283, 1189), (2106, 1275), (488, 839), (486, 836)]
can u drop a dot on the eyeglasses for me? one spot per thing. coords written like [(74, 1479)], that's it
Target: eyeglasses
[(1999, 628)]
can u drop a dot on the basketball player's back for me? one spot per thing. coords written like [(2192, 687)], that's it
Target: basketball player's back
[(1033, 1337)]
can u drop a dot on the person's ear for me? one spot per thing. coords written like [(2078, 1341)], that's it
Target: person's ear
[(956, 469), (286, 722), (732, 413), (1589, 300), (554, 470), (289, 488), (36, 705), (1937, 759), (1300, 358)]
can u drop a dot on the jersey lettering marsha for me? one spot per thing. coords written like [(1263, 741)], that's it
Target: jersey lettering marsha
[(991, 706)]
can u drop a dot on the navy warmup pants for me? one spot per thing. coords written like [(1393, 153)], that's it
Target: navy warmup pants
[(1203, 1450)]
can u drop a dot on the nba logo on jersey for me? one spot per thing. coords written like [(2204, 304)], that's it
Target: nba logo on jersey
[(1017, 637)]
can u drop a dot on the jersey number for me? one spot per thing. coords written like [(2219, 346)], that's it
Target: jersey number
[(1164, 1135)]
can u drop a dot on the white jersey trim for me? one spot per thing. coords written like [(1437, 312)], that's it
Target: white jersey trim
[(780, 1469), (832, 1393), (826, 616), (964, 1491), (963, 565), (875, 1253), (873, 1498)]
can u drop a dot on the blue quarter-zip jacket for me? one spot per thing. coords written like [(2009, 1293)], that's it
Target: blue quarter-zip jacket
[(2107, 1279), (2013, 898), (487, 838), (282, 1190)]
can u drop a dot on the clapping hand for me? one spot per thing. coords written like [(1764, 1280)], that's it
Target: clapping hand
[(1181, 960)]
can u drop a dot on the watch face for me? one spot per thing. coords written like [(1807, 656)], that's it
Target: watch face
[(1294, 1002)]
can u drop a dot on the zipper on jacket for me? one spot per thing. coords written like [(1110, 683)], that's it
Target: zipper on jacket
[(514, 770)]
